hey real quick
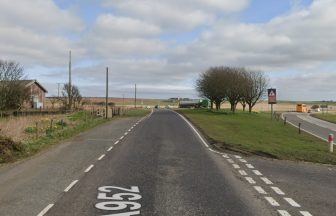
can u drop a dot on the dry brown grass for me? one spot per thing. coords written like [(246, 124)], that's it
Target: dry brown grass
[(15, 127)]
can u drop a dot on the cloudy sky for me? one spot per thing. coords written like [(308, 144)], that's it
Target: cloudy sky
[(162, 45)]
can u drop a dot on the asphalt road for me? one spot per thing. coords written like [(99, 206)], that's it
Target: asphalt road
[(158, 165), (317, 127)]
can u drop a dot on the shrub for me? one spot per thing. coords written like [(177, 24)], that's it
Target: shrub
[(9, 148), (31, 130)]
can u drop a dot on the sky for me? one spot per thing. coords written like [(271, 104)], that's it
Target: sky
[(163, 45)]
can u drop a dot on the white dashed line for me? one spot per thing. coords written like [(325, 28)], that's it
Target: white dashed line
[(236, 166), (89, 168), (266, 180), (257, 172), (250, 180), (225, 156), (70, 186), (260, 190), (101, 157), (243, 160), (129, 130), (109, 149), (121, 138), (242, 172), (278, 191), (125, 133), (305, 213), (272, 201), (250, 166), (45, 210), (116, 142), (238, 157), (292, 202), (283, 213), (230, 160)]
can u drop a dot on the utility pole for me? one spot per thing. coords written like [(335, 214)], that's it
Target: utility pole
[(58, 89), (123, 100), (106, 113), (135, 96), (70, 87)]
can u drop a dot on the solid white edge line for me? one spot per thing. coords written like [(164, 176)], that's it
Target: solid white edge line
[(101, 157), (70, 186), (305, 213), (272, 201), (109, 149), (292, 202), (259, 189), (278, 190), (125, 133), (283, 213), (89, 168), (45, 210), (193, 128)]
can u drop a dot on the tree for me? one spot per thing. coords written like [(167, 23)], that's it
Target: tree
[(254, 87), (234, 81), (13, 92), (211, 85), (74, 95)]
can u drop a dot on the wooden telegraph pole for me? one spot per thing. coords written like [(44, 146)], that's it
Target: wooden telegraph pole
[(135, 96), (70, 84), (106, 102)]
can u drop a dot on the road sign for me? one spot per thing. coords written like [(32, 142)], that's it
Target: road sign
[(272, 96)]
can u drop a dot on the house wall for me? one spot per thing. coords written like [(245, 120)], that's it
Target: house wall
[(35, 92)]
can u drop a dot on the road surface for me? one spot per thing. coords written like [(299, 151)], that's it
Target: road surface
[(314, 126), (159, 165)]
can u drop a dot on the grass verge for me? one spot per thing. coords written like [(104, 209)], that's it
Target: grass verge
[(11, 151), (256, 134), (330, 117)]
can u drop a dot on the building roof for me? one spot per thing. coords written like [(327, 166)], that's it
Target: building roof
[(28, 83)]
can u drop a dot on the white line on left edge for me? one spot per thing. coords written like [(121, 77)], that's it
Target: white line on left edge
[(45, 210), (109, 149), (70, 186), (89, 168), (101, 157)]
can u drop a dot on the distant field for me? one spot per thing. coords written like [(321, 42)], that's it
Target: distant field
[(255, 133)]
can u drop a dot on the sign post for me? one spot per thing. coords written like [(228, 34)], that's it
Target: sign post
[(272, 99)]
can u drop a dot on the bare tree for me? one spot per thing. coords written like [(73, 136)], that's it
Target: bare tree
[(12, 91), (211, 85), (53, 100), (254, 87), (75, 97), (235, 80)]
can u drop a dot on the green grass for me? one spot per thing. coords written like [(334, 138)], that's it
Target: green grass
[(330, 117), (82, 121), (255, 133)]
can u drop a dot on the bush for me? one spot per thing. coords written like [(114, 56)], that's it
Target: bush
[(315, 106), (9, 148), (31, 130), (61, 123)]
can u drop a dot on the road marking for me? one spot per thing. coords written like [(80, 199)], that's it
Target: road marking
[(242, 172), (101, 157), (215, 151), (283, 213), (278, 191), (250, 166), (230, 160), (89, 168), (243, 160), (236, 166), (121, 138), (70, 186), (266, 180), (257, 172), (129, 130), (250, 180), (116, 142), (110, 148), (192, 127), (45, 210), (305, 213), (238, 157), (272, 201), (260, 190), (292, 202), (225, 156), (125, 133)]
